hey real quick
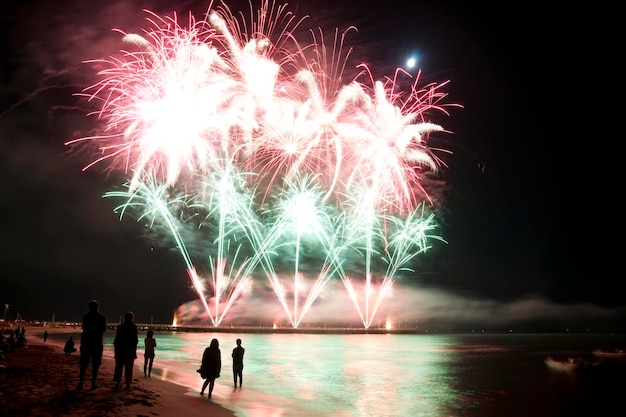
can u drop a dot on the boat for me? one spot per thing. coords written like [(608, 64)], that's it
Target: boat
[(571, 364), (610, 354), (563, 364)]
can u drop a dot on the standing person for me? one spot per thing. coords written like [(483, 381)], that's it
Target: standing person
[(45, 336), (69, 346), (211, 366), (125, 349), (237, 355), (148, 355), (91, 343)]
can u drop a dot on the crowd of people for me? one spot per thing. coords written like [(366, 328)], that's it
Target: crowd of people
[(16, 339), (125, 352), (125, 343)]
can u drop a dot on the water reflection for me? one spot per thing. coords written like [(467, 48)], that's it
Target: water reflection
[(322, 375), (367, 375)]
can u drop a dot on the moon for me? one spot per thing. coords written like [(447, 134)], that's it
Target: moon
[(411, 62)]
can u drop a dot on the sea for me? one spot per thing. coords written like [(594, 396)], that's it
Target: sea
[(404, 375)]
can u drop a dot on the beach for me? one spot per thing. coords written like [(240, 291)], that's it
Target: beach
[(38, 379)]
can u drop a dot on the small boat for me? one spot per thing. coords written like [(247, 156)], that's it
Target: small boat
[(610, 354), (563, 364)]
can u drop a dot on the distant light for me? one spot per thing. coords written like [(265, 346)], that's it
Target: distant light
[(411, 62)]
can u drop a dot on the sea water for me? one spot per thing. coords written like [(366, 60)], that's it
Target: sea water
[(378, 375)]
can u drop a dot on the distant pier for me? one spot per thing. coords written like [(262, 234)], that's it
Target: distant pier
[(268, 329)]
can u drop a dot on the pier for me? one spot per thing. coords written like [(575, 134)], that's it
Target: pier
[(268, 329)]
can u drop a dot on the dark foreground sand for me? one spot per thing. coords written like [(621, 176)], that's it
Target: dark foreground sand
[(40, 380)]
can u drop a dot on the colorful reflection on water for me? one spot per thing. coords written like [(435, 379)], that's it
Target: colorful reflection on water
[(374, 375)]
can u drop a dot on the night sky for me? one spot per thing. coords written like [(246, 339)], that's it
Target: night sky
[(530, 209)]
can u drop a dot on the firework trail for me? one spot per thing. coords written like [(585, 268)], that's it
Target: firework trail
[(248, 133), (303, 221)]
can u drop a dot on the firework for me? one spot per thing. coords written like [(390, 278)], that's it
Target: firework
[(241, 140)]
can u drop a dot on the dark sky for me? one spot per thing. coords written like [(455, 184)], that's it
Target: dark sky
[(530, 211)]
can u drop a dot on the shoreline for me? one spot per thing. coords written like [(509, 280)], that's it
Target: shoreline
[(39, 379)]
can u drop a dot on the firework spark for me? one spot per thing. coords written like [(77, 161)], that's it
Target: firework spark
[(248, 133)]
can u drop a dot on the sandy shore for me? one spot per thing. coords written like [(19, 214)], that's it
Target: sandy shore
[(38, 379)]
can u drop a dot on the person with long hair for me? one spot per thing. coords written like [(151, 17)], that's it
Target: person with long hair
[(148, 355), (211, 366)]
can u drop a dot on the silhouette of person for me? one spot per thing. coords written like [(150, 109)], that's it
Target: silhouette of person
[(237, 355), (125, 349), (69, 346), (11, 342), (148, 355), (211, 366), (91, 343), (45, 336), (20, 339)]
